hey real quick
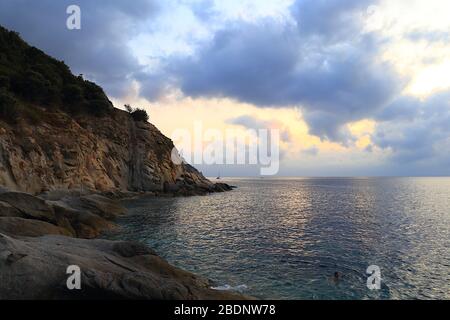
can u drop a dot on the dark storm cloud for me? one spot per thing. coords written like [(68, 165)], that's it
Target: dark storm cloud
[(249, 62), (331, 20), (322, 63), (328, 125), (98, 50), (403, 108), (153, 85), (345, 85), (274, 64), (422, 134)]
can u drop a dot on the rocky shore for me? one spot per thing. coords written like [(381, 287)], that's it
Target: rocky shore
[(41, 236), (66, 156)]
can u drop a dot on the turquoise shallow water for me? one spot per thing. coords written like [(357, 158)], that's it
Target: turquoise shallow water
[(284, 239)]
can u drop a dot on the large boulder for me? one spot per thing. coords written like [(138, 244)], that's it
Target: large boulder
[(7, 210), (29, 228), (29, 206), (82, 223), (84, 217), (102, 206), (35, 268)]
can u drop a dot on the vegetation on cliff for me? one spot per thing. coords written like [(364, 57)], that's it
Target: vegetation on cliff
[(51, 136), (136, 113), (53, 144), (31, 80)]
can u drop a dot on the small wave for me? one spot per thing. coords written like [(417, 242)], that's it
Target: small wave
[(240, 288)]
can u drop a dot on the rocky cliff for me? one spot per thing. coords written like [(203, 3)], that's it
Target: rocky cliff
[(62, 139), (113, 153), (59, 131)]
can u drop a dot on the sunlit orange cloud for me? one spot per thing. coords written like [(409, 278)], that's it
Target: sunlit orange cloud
[(301, 153), (362, 130), (175, 112), (425, 64)]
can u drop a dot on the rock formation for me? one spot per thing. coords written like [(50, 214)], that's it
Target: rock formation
[(113, 153), (35, 268), (63, 149), (41, 236), (58, 131)]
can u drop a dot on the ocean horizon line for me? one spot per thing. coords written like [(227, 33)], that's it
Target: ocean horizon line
[(318, 177)]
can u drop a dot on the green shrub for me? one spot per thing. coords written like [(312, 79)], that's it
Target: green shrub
[(140, 115), (8, 107), (3, 58), (93, 91), (4, 82), (99, 107), (73, 94), (136, 113), (29, 75), (32, 86), (52, 96), (34, 115)]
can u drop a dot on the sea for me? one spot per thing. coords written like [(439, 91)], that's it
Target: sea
[(306, 238)]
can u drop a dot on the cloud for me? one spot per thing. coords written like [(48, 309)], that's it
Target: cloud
[(319, 60), (429, 36), (330, 20), (403, 108), (421, 135), (313, 151), (270, 63), (240, 63), (254, 123), (99, 50)]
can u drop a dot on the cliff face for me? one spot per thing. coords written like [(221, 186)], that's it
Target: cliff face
[(59, 131), (103, 154)]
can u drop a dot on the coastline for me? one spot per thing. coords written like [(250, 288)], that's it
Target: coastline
[(40, 236), (70, 155)]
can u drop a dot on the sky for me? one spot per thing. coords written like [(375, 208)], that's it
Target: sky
[(355, 87)]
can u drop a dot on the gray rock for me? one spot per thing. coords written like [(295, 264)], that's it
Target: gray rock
[(29, 206), (81, 223), (7, 210), (3, 189), (29, 228), (102, 206), (131, 249), (35, 268)]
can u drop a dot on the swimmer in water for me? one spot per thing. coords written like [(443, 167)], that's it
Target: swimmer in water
[(335, 279)]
